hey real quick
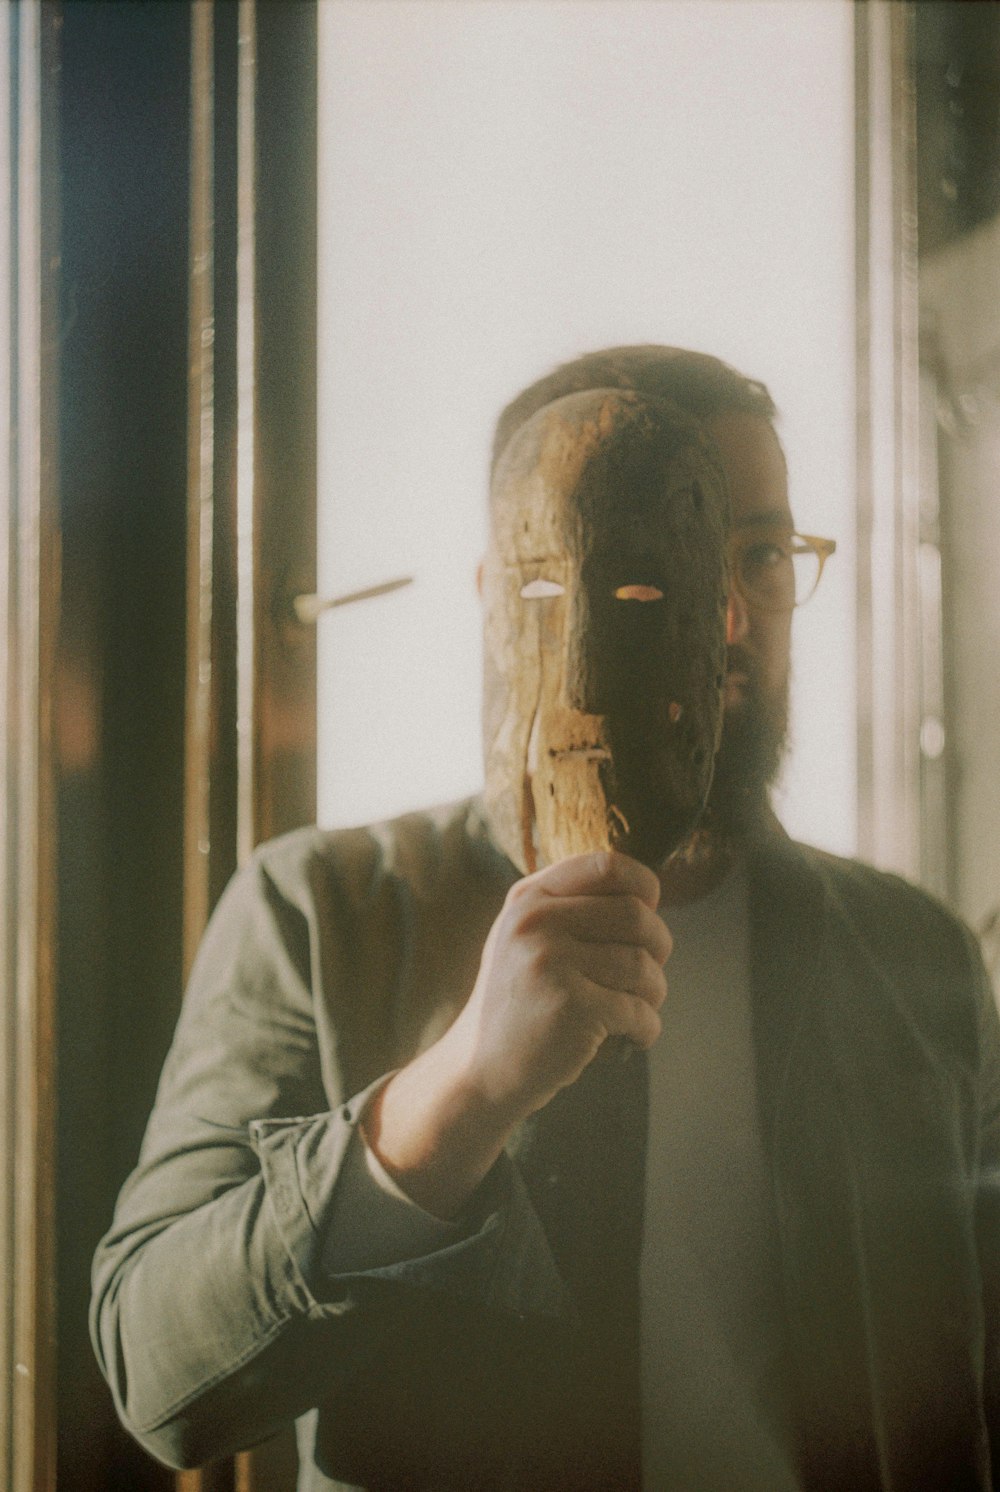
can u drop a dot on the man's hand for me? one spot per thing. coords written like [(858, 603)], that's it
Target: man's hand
[(576, 955)]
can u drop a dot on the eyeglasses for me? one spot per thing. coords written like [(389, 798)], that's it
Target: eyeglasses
[(778, 571)]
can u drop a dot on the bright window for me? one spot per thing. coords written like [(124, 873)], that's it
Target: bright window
[(503, 186)]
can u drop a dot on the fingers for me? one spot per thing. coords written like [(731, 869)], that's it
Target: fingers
[(610, 919), (597, 898), (624, 1015), (625, 969), (575, 956), (602, 873)]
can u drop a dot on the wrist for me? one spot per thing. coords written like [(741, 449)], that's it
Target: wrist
[(436, 1130)]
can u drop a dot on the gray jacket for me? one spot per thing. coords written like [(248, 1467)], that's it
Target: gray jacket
[(509, 1359)]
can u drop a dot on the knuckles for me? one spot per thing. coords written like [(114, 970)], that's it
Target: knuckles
[(543, 965), (530, 913)]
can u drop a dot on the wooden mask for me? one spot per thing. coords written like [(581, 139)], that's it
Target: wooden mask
[(605, 589)]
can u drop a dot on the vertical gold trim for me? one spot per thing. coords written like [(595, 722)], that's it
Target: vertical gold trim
[(201, 493), (246, 379), (200, 507), (27, 602), (909, 833), (200, 512), (888, 439), (31, 534), (247, 816), (7, 765)]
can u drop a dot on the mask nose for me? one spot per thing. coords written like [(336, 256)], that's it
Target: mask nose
[(582, 678)]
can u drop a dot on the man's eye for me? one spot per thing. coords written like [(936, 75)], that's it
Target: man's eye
[(537, 590), (765, 556)]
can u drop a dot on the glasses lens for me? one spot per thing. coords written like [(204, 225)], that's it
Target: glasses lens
[(807, 566), (778, 573)]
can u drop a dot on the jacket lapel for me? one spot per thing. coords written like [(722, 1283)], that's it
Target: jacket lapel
[(877, 1257)]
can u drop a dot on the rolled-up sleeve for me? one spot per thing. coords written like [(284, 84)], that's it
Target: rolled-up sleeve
[(215, 1316)]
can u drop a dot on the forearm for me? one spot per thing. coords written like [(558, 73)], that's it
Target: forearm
[(435, 1130)]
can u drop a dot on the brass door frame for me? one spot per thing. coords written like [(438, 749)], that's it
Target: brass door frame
[(888, 396), (29, 580), (120, 499), (251, 484)]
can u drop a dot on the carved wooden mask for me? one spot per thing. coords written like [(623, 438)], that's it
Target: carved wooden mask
[(605, 591)]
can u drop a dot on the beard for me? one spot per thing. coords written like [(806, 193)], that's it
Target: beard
[(754, 736)]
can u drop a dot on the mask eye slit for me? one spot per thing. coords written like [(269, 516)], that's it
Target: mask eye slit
[(638, 593), (537, 590)]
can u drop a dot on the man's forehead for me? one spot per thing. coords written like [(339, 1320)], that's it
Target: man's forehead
[(755, 467), (778, 518)]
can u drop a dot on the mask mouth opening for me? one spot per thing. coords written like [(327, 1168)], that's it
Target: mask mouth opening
[(581, 753)]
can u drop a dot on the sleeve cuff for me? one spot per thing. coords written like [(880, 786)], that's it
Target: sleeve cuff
[(315, 1171), (372, 1222)]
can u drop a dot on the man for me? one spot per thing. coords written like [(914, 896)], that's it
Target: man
[(498, 1251)]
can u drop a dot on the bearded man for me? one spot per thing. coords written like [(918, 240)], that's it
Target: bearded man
[(440, 1170)]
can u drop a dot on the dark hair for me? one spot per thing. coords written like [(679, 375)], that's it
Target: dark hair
[(701, 385)]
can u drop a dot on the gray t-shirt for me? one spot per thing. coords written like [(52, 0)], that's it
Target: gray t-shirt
[(714, 1386)]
